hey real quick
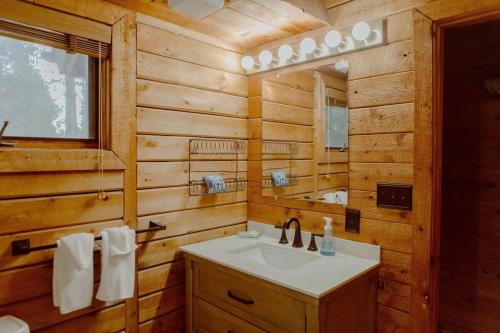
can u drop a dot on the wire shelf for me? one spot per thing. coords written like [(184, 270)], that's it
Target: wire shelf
[(217, 146), (198, 188), (274, 147), (214, 147)]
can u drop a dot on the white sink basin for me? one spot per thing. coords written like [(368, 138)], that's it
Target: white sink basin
[(275, 256)]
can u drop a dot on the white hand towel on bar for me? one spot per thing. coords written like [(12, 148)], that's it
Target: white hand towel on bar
[(117, 264), (73, 276)]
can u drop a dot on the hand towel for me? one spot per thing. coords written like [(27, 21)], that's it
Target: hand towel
[(215, 184), (279, 178), (117, 264), (73, 276)]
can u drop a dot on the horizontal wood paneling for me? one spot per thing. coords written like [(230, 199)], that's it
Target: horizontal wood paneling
[(171, 96), (172, 322), (384, 119), (19, 215), (166, 122), (160, 303), (166, 250), (168, 44), (381, 90), (397, 147), (158, 68), (194, 220), (171, 148), (27, 185)]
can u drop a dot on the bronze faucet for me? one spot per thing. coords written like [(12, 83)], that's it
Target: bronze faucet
[(297, 238)]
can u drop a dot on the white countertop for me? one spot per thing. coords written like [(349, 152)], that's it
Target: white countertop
[(316, 278)]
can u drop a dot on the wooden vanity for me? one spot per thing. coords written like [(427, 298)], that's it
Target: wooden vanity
[(221, 299)]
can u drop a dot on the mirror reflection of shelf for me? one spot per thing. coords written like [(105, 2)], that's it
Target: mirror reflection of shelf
[(274, 147), (216, 150), (198, 188), (292, 180)]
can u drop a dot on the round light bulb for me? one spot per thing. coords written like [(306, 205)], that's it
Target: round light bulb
[(361, 31), (247, 62), (307, 46), (333, 38), (285, 52), (265, 57)]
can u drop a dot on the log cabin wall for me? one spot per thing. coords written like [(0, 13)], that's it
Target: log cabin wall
[(469, 263), (48, 193), (185, 89), (380, 98)]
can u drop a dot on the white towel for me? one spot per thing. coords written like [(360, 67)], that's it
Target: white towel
[(117, 264), (73, 276)]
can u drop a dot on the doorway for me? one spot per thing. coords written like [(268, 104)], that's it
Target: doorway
[(469, 229)]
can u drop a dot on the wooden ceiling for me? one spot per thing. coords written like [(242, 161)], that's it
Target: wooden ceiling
[(243, 23)]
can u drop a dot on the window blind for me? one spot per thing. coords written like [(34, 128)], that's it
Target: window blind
[(70, 43)]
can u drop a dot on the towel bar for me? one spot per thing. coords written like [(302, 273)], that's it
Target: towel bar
[(22, 246)]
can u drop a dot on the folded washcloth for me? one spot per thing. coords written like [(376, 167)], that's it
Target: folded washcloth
[(341, 197), (215, 184), (279, 178), (73, 277), (117, 264)]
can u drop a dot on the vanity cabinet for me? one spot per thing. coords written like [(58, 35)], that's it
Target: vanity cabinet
[(223, 300)]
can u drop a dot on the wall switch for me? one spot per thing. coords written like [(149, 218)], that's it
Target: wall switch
[(397, 196), (352, 217)]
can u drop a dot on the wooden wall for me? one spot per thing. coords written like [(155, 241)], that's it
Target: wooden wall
[(49, 193), (380, 98), (470, 226), (185, 89)]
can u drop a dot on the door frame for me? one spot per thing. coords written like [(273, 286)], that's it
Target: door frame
[(429, 29)]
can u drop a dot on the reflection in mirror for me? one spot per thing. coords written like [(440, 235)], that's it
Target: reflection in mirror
[(305, 134)]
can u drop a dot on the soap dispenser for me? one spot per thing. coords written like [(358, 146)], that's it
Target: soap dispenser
[(327, 248)]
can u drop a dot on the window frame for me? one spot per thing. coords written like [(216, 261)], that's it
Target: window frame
[(100, 89)]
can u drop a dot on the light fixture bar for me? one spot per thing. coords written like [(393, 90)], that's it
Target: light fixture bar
[(324, 44)]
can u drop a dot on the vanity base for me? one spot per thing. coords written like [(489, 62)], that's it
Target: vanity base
[(220, 299)]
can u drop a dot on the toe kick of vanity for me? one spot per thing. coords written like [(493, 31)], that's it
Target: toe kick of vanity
[(221, 299)]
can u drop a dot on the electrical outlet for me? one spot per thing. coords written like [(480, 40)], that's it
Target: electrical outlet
[(352, 218), (397, 196)]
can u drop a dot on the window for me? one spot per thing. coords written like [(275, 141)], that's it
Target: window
[(49, 87)]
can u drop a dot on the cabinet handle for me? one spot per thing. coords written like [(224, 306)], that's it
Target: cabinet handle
[(239, 299)]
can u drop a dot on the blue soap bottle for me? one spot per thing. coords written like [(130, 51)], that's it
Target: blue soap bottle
[(327, 248)]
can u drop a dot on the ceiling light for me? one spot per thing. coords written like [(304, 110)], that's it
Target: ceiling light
[(361, 31), (247, 62), (265, 58), (285, 53), (307, 46), (333, 38)]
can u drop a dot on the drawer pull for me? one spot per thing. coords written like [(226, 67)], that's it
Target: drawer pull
[(239, 299)]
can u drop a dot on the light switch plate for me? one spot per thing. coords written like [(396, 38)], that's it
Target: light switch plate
[(352, 220), (397, 196)]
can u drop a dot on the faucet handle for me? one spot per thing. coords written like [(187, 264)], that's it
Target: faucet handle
[(312, 244), (283, 239)]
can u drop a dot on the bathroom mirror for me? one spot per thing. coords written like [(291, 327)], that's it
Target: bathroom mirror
[(304, 132)]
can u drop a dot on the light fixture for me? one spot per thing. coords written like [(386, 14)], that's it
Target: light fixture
[(333, 38), (247, 62), (307, 46), (362, 35), (265, 58), (285, 53), (361, 31)]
